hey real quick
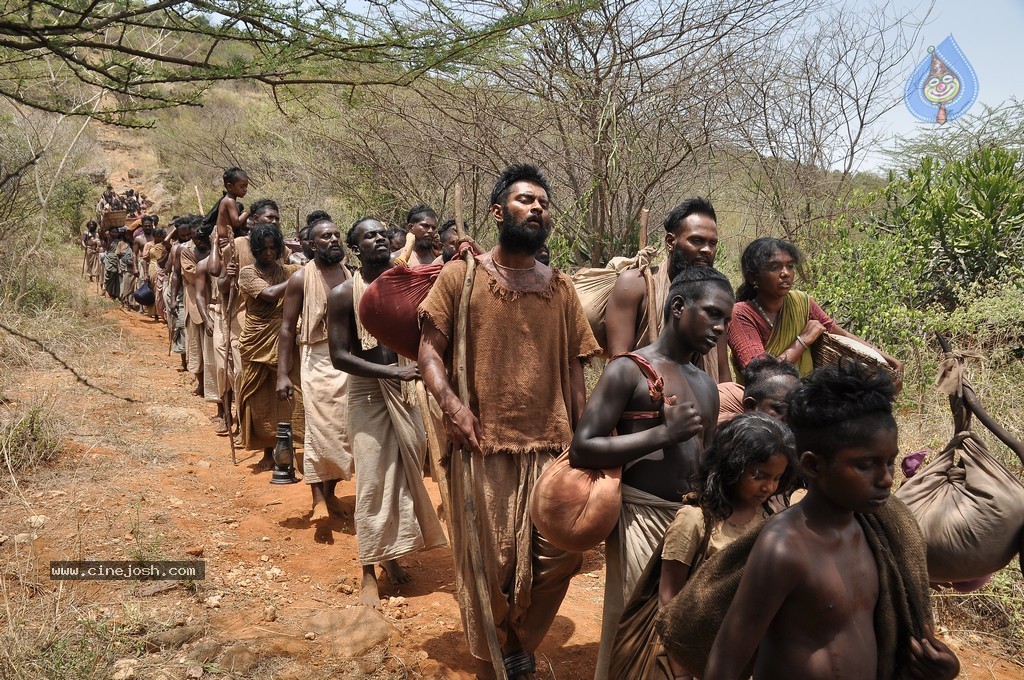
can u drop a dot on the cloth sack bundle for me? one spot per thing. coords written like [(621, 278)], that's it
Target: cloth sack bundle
[(970, 509), (388, 308), (144, 294), (594, 286), (576, 508)]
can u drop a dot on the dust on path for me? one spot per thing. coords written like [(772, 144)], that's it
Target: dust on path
[(151, 480)]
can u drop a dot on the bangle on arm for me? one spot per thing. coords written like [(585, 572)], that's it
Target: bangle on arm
[(453, 413), (801, 341)]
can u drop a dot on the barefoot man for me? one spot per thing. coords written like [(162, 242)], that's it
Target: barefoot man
[(659, 438), (326, 452), (394, 515), (528, 340)]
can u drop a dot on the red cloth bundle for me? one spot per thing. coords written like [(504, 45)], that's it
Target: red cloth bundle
[(388, 308)]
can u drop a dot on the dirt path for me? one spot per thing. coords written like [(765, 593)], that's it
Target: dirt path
[(149, 480)]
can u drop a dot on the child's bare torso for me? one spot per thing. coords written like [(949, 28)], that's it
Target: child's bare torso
[(825, 628)]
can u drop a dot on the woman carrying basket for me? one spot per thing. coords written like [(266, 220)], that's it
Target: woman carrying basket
[(772, 317)]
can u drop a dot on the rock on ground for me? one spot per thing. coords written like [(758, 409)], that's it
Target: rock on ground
[(350, 632)]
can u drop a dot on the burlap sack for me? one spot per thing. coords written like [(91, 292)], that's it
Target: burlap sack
[(574, 508), (970, 509), (594, 286)]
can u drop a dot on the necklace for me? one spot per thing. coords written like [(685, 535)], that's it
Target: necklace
[(764, 314), (513, 269)]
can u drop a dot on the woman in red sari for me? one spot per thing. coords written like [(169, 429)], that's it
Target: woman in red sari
[(771, 316)]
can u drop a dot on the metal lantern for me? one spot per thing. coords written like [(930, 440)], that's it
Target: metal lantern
[(284, 456)]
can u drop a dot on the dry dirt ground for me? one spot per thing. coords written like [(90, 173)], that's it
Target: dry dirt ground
[(149, 480)]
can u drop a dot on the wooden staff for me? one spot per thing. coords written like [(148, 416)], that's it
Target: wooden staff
[(463, 460), (652, 307), (199, 201), (644, 215), (974, 406)]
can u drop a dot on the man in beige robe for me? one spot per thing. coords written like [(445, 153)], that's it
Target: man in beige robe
[(528, 339), (326, 451), (394, 515)]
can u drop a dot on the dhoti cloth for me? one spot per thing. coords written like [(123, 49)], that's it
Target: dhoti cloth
[(526, 576), (178, 345), (128, 285), (91, 263), (211, 389), (259, 409), (159, 282), (233, 322), (628, 549), (220, 348), (194, 337), (394, 515), (327, 451)]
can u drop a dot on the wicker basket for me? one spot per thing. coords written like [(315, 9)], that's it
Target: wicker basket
[(114, 218), (831, 348)]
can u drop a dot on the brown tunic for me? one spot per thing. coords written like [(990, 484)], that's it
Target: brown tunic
[(518, 354)]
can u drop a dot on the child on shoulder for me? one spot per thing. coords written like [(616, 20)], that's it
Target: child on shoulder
[(229, 211), (836, 586)]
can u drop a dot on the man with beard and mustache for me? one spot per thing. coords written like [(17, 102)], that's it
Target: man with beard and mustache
[(528, 342), (691, 238), (327, 455), (421, 222), (449, 237), (394, 515)]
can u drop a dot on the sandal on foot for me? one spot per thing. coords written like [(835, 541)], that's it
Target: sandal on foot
[(519, 663)]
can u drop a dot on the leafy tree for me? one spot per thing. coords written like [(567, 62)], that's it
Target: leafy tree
[(942, 252), (962, 221), (160, 53)]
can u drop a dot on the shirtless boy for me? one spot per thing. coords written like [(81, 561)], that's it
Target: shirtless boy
[(229, 217), (658, 443), (806, 605)]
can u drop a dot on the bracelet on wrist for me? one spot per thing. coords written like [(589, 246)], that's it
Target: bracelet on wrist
[(801, 341), (453, 413)]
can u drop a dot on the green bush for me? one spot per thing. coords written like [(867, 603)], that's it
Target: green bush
[(943, 253)]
